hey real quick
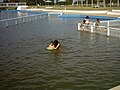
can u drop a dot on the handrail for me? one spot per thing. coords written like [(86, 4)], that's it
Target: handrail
[(23, 19), (92, 28), (20, 17), (111, 21)]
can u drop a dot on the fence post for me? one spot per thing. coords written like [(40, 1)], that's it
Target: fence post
[(65, 10), (91, 28), (30, 18), (6, 24), (15, 21), (23, 20), (79, 26), (108, 29)]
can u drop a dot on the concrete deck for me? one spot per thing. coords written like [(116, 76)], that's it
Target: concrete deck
[(115, 88), (90, 12)]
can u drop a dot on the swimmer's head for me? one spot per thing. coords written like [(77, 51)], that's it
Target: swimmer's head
[(87, 17)]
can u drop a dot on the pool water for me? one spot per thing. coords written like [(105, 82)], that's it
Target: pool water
[(85, 62), (8, 14)]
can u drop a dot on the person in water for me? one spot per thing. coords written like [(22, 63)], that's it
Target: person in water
[(83, 23), (87, 20), (97, 23), (51, 45), (55, 44)]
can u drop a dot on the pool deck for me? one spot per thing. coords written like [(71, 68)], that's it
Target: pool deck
[(112, 13), (115, 88)]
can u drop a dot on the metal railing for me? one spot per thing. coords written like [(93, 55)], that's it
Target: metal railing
[(14, 21), (111, 23), (108, 28)]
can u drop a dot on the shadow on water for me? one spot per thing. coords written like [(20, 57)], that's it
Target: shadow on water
[(54, 55)]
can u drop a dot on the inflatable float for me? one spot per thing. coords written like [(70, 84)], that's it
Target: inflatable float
[(48, 48)]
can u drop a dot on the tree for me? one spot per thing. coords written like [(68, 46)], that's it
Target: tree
[(118, 3), (97, 2), (110, 2), (92, 3), (86, 3), (104, 4)]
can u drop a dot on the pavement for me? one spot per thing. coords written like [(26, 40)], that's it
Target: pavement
[(85, 12), (115, 88)]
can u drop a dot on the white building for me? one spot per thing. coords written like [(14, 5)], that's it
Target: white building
[(1, 1)]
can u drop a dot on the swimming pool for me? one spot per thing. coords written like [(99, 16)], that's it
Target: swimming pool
[(83, 16), (7, 14), (86, 61), (9, 19)]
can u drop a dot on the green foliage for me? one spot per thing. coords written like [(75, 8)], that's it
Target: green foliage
[(17, 0), (68, 2), (30, 3)]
